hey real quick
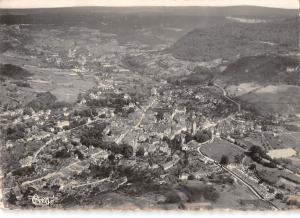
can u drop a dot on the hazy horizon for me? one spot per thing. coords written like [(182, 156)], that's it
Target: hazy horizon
[(15, 4)]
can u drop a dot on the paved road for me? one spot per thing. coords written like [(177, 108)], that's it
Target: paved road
[(227, 97), (123, 135), (250, 187)]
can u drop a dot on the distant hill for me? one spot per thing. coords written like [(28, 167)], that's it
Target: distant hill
[(191, 11), (133, 22), (139, 17), (238, 39), (263, 69)]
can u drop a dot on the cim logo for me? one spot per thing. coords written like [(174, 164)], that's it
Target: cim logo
[(42, 201)]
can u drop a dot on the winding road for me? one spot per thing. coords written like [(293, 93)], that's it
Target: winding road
[(237, 177), (250, 187), (225, 94)]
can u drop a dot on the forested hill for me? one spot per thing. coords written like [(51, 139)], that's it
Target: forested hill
[(238, 39)]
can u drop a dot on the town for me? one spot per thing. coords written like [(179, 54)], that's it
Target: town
[(89, 120)]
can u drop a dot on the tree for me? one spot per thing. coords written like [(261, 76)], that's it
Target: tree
[(12, 198), (224, 160), (191, 177), (159, 115), (279, 196), (175, 143), (140, 152), (188, 137), (252, 167), (210, 82), (15, 132), (203, 136), (271, 190), (256, 153), (255, 149), (92, 136), (126, 150)]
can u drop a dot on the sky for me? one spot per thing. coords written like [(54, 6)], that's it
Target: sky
[(127, 3)]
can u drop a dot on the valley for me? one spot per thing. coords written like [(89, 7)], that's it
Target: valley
[(150, 108)]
